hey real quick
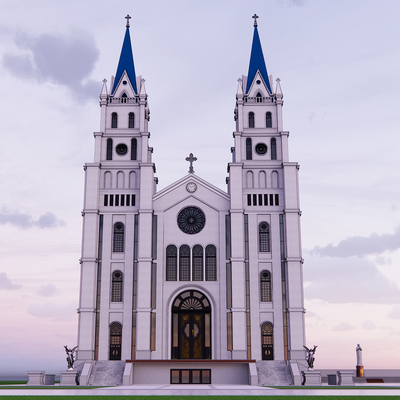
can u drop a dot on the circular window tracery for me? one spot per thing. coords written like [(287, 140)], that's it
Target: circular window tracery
[(261, 148), (191, 220)]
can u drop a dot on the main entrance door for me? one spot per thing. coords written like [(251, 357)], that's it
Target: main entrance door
[(191, 326)]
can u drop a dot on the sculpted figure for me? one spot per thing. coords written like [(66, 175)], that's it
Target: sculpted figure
[(310, 357), (359, 355), (70, 357)]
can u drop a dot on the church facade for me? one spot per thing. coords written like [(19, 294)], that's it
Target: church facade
[(191, 271)]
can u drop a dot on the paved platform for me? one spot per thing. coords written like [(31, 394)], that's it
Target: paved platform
[(205, 390)]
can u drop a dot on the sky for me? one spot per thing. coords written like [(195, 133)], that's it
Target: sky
[(338, 63)]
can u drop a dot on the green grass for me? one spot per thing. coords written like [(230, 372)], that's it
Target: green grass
[(13, 382)]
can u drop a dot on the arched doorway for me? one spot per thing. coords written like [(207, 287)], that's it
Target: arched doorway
[(267, 341), (115, 341), (191, 326)]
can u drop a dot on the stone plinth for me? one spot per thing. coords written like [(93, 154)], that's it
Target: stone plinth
[(49, 379), (346, 378), (36, 378), (360, 371), (312, 378), (68, 378)]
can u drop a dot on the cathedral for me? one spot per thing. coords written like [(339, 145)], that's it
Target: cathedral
[(182, 283)]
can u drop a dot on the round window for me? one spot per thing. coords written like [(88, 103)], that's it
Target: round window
[(191, 220), (122, 149), (261, 148)]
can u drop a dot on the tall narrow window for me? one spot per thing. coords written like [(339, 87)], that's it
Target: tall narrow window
[(211, 263), (109, 149), (263, 235), (115, 341), (118, 246), (133, 149), (131, 120), (251, 119), (273, 149), (171, 263), (114, 120), (184, 263), (197, 270), (267, 341), (248, 149), (116, 286), (268, 120), (274, 180), (265, 286)]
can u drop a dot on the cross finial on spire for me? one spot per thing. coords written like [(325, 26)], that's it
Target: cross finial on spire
[(255, 16), (128, 17), (191, 159)]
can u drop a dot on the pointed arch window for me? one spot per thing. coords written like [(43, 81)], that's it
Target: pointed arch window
[(124, 98), (268, 120), (184, 263), (119, 233), (114, 120), (263, 237), (248, 149), (259, 97), (171, 263), (211, 263), (109, 149), (197, 263), (131, 120), (133, 149), (116, 286), (273, 149), (251, 119), (265, 286)]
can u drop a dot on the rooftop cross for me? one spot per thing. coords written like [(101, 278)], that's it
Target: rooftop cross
[(191, 159), (128, 17), (255, 16)]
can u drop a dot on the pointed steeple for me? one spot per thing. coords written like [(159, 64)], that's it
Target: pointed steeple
[(257, 62), (126, 61)]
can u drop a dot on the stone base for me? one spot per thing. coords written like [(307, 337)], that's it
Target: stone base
[(345, 378), (311, 378), (35, 378), (69, 378), (360, 371)]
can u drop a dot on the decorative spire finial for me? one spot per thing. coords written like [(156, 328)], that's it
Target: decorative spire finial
[(255, 16), (191, 159), (128, 17)]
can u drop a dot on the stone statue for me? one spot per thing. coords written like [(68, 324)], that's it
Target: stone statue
[(359, 355), (70, 357), (310, 357)]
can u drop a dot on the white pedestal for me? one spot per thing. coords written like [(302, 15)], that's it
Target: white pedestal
[(35, 378), (312, 378), (345, 378), (68, 378)]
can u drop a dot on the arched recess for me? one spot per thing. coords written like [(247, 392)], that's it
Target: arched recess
[(262, 180), (115, 341), (132, 180), (250, 179), (267, 341), (191, 326), (120, 180), (275, 180), (107, 180)]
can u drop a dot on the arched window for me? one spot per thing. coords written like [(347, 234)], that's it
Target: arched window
[(133, 149), (258, 97), (274, 180), (265, 286), (118, 246), (263, 237), (273, 149), (267, 341), (123, 98), (171, 263), (211, 263), (114, 120), (248, 149), (250, 179), (251, 119), (131, 120), (120, 180), (109, 149), (262, 180), (197, 263), (132, 180), (107, 180), (184, 263), (115, 341), (268, 120), (116, 286)]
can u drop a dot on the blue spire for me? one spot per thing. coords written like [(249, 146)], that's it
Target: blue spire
[(126, 62), (257, 61)]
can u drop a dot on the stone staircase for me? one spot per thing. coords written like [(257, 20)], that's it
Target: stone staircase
[(107, 373), (274, 373)]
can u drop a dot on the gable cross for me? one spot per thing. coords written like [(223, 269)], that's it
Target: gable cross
[(128, 17), (255, 16), (191, 159)]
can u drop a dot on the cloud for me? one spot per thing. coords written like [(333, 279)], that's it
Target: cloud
[(351, 280), (62, 60), (53, 311), (21, 220), (368, 325), (5, 283), (343, 327), (394, 313), (361, 246), (47, 290)]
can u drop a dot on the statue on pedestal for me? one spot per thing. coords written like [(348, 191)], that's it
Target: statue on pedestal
[(359, 367), (70, 357), (310, 357)]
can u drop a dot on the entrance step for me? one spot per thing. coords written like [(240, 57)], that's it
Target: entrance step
[(107, 373), (274, 373)]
